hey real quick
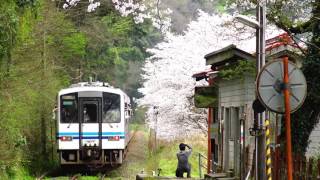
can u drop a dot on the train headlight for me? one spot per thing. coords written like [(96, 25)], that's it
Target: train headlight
[(66, 138), (114, 138)]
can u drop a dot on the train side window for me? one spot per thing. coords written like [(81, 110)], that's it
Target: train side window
[(69, 110), (111, 108)]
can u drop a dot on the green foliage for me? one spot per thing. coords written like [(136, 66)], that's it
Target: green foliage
[(306, 118), (116, 47), (221, 6), (206, 97), (205, 101), (43, 49), (28, 92), (15, 172), (74, 45), (14, 110), (26, 3), (26, 22), (8, 27), (118, 26), (237, 70), (139, 115)]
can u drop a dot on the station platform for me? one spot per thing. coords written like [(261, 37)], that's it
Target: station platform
[(214, 176), (148, 177), (218, 176)]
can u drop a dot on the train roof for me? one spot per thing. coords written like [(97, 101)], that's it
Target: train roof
[(93, 86)]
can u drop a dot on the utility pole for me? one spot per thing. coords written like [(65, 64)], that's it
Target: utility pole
[(260, 50), (260, 25)]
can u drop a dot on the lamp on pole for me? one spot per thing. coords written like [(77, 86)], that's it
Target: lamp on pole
[(248, 21), (260, 25)]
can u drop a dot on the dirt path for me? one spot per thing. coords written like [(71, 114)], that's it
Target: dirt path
[(136, 159)]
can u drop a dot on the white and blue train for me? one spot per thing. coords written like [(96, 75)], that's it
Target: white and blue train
[(93, 124)]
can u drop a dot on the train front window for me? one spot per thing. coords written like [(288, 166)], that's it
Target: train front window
[(69, 111), (90, 112), (111, 108)]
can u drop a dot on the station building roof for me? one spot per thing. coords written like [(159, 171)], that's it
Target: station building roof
[(277, 47), (227, 55)]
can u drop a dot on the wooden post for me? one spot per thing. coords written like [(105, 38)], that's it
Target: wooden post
[(209, 141), (210, 120)]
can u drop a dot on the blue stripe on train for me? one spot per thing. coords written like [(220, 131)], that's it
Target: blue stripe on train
[(96, 137), (90, 133)]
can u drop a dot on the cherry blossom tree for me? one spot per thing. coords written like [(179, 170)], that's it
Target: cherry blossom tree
[(139, 9), (92, 4), (168, 72), (293, 16)]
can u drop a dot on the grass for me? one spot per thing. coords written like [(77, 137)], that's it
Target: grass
[(16, 173), (142, 158), (79, 178), (167, 159), (164, 158)]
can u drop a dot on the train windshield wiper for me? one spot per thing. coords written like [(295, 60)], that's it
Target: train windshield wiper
[(69, 123)]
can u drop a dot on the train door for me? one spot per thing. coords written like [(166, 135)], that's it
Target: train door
[(90, 122)]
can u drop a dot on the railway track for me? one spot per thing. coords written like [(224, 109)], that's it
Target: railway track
[(74, 172), (102, 177), (75, 177), (71, 177)]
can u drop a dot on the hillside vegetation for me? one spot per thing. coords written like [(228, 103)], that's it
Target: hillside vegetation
[(44, 48)]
